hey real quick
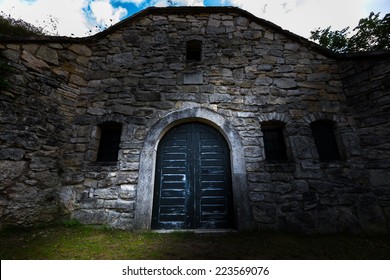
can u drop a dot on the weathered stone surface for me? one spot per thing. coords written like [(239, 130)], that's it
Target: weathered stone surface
[(123, 60), (379, 177), (12, 154), (319, 77), (11, 170), (33, 62), (264, 213), (111, 193), (64, 92), (195, 78), (67, 196), (11, 55), (47, 54), (285, 83), (81, 49), (127, 191)]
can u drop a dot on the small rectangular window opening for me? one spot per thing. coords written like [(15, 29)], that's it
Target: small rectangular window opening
[(194, 50), (109, 142), (325, 140), (274, 143)]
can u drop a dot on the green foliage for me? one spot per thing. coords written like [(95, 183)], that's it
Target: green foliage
[(333, 40), (72, 223), (17, 27), (372, 33)]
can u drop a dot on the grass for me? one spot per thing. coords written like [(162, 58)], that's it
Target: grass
[(88, 243)]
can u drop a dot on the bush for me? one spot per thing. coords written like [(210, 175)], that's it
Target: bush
[(17, 27)]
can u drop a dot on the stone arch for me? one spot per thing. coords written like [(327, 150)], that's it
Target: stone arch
[(274, 117), (324, 116), (145, 187), (285, 122), (347, 140), (94, 131)]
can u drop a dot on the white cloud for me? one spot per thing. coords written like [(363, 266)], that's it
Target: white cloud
[(105, 14), (190, 2), (75, 17), (138, 3), (302, 16), (298, 16), (164, 3), (69, 14)]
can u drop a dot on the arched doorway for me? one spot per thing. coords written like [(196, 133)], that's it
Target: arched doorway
[(193, 182)]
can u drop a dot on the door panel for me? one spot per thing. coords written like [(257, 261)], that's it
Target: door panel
[(193, 180)]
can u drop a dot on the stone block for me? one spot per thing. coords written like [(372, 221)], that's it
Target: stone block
[(11, 170), (127, 191), (292, 46), (41, 163), (48, 54), (264, 213), (263, 81), (80, 49), (11, 55), (285, 83), (281, 176), (90, 216), (259, 177), (217, 98), (253, 151), (33, 62), (379, 177), (12, 154), (121, 205), (67, 196), (77, 80), (298, 221), (321, 187), (125, 60), (319, 77), (107, 193), (148, 96), (256, 196), (310, 200), (290, 206)]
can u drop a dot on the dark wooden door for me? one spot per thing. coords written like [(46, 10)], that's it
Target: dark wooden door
[(193, 180)]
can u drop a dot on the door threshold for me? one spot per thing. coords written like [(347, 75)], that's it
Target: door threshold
[(198, 231)]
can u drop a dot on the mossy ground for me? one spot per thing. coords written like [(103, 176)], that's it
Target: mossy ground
[(88, 243)]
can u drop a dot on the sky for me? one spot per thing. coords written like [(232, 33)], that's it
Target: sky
[(80, 18)]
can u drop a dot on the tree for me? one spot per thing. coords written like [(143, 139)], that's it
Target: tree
[(372, 33)]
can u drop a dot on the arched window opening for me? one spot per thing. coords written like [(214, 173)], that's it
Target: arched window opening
[(325, 140), (274, 142), (110, 137)]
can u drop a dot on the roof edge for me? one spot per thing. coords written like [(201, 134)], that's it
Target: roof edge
[(195, 10), (213, 9)]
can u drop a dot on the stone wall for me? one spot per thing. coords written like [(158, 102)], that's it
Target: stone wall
[(367, 87), (36, 114), (136, 74)]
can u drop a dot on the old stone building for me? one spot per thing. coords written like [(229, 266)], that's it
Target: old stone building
[(193, 117)]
